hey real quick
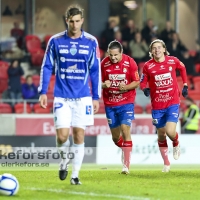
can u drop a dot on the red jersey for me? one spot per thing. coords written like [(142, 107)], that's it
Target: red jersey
[(126, 71), (161, 77)]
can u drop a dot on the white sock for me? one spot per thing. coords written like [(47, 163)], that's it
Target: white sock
[(64, 150), (78, 150)]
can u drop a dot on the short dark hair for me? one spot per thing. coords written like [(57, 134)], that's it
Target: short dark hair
[(115, 45), (74, 10)]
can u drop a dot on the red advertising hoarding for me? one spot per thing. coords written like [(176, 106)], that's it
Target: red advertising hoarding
[(45, 126)]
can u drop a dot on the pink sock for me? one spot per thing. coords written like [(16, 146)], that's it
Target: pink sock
[(163, 147), (127, 149)]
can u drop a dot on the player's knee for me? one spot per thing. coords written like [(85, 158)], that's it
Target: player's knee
[(61, 139), (115, 139)]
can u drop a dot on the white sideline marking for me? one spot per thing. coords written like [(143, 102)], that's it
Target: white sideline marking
[(89, 194)]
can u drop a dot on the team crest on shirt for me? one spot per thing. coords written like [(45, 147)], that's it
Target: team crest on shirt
[(73, 49), (124, 70), (170, 68)]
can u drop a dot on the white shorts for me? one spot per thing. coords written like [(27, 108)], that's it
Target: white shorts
[(73, 112)]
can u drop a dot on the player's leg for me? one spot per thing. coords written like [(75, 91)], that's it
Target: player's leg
[(126, 115), (172, 119), (114, 125), (159, 121), (163, 147), (77, 149), (62, 120), (82, 116)]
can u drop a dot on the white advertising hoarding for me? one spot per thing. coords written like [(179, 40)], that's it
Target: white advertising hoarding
[(145, 150)]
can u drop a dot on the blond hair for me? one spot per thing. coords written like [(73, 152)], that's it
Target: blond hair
[(158, 41)]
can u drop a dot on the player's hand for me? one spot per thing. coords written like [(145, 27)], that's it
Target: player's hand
[(185, 91), (95, 106), (146, 92), (122, 86), (43, 100), (107, 84)]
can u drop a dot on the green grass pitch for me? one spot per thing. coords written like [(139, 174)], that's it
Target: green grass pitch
[(145, 182)]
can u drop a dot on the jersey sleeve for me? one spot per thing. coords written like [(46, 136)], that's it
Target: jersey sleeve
[(47, 67), (95, 71), (144, 79), (102, 72), (181, 67), (134, 69)]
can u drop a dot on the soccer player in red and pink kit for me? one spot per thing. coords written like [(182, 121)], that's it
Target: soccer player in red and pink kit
[(160, 74), (119, 80)]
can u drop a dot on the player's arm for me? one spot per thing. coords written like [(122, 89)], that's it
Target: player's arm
[(182, 70), (46, 72), (144, 79), (95, 72), (135, 80), (95, 75), (181, 67), (104, 83)]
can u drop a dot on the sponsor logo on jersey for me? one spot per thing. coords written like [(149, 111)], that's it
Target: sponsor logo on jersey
[(137, 78), (73, 67), (124, 70), (163, 76), (117, 98), (74, 60), (163, 80), (75, 77), (65, 51), (68, 70), (73, 42), (117, 76), (126, 64), (84, 46), (83, 51), (170, 62), (62, 59), (163, 98), (107, 65), (62, 45), (73, 49), (151, 65), (162, 67), (62, 76), (88, 110)]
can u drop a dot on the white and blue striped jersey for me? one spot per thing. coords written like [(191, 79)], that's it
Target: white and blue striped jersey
[(76, 62)]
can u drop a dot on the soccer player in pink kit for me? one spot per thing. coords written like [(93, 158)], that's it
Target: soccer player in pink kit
[(119, 80), (160, 74)]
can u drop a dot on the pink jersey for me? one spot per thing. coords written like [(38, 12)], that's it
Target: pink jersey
[(126, 71), (162, 81)]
